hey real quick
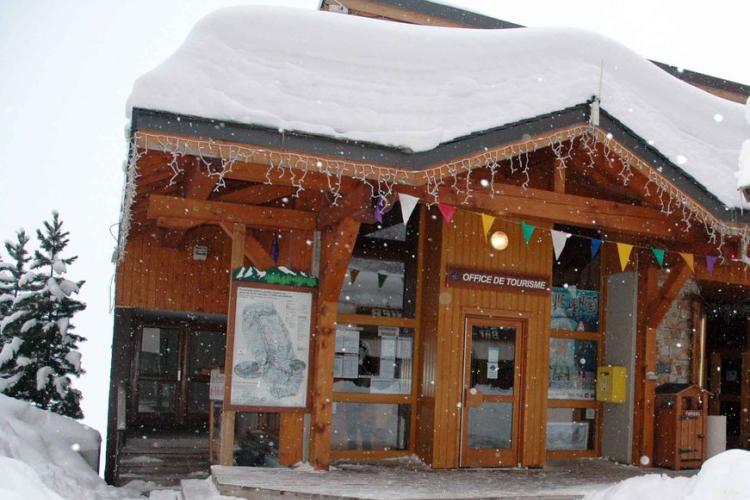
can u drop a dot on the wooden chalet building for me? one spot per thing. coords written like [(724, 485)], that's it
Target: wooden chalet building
[(389, 292)]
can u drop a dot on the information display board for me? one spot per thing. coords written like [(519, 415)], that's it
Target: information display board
[(270, 348)]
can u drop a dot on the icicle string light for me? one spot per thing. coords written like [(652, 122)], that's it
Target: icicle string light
[(592, 141)]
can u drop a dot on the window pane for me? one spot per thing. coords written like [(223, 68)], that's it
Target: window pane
[(206, 352), (159, 352), (571, 428), (257, 438), (576, 280), (374, 359), (367, 427), (490, 426), (572, 369), (493, 355), (156, 397), (374, 288)]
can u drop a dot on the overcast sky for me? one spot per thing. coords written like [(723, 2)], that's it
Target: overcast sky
[(68, 68)]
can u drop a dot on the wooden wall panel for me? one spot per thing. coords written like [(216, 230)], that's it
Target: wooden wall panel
[(464, 244), (156, 277)]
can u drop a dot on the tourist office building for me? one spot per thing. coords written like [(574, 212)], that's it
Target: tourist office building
[(318, 290)]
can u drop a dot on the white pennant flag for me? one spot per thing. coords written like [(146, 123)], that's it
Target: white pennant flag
[(408, 204), (559, 239)]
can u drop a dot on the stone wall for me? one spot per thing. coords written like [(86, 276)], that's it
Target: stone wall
[(674, 337)]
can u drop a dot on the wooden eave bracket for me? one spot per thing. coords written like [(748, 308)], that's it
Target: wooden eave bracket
[(669, 291), (254, 251)]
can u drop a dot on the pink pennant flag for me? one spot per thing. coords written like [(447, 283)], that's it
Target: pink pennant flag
[(447, 211), (710, 263)]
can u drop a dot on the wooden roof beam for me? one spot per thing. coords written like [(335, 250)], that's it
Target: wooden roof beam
[(559, 207), (257, 194), (253, 250), (356, 204), (172, 207), (313, 181)]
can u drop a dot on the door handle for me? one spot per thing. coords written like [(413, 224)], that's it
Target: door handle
[(179, 375)]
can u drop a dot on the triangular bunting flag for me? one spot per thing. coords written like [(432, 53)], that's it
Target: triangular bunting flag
[(623, 250), (487, 221), (595, 246), (689, 260), (275, 249), (710, 263), (528, 231), (447, 211), (659, 254), (378, 211), (559, 239), (381, 279), (408, 204), (353, 273)]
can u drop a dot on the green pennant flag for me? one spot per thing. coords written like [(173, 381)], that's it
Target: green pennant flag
[(659, 254), (528, 231), (381, 279)]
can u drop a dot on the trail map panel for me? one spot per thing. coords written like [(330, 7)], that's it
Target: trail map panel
[(271, 348)]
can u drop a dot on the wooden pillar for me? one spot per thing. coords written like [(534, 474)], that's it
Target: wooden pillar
[(227, 417), (337, 245)]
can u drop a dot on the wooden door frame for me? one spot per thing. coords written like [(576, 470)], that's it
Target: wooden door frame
[(521, 326)]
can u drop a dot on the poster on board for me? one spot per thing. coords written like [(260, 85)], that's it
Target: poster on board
[(271, 348)]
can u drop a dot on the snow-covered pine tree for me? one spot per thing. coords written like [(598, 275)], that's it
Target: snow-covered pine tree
[(48, 355), (11, 287)]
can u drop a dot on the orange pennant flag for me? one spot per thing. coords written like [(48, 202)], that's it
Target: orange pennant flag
[(623, 250), (689, 260), (487, 221)]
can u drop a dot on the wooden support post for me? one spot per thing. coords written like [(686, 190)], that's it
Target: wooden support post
[(337, 246), (228, 417)]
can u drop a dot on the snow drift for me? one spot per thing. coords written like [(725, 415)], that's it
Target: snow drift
[(723, 477), (40, 456), (415, 87)]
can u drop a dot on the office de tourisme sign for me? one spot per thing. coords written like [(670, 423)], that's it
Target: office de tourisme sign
[(496, 280)]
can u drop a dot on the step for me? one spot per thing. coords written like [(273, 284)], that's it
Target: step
[(201, 489)]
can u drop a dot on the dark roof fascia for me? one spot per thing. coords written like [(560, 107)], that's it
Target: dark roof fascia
[(705, 80), (454, 14), (171, 123), (679, 177)]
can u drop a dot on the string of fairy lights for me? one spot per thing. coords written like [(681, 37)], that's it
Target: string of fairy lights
[(218, 159)]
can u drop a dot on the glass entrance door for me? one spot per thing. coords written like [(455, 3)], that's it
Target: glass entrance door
[(172, 373), (492, 392)]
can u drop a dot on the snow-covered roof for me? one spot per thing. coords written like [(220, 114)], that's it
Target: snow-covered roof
[(416, 87)]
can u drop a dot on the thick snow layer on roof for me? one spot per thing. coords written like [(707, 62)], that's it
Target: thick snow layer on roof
[(415, 87), (743, 174)]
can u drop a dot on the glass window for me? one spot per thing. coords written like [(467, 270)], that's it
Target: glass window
[(156, 397), (572, 369), (576, 283), (491, 425), (571, 429), (159, 352), (373, 288), (257, 439), (373, 359), (370, 427), (493, 355), (382, 274)]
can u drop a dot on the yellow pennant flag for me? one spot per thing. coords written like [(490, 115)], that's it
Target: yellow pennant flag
[(689, 260), (623, 250), (487, 221)]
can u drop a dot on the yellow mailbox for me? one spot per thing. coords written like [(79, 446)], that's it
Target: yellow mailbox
[(611, 384)]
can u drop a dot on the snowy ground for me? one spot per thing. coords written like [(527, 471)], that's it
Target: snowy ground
[(41, 459), (410, 479)]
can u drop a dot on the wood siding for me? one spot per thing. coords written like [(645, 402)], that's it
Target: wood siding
[(464, 244), (156, 277)]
